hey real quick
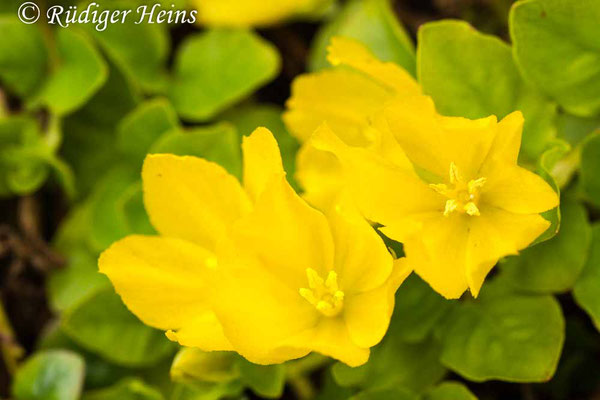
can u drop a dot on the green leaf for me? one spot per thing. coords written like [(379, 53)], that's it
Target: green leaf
[(27, 156), (103, 325), (215, 69), (556, 47), (81, 72), (249, 117), (575, 129), (504, 336), (139, 50), (264, 380), (330, 390), (193, 364), (98, 372), (140, 128), (587, 288), (550, 167), (76, 280), (131, 209), (418, 309), (395, 364), (372, 22), (590, 165), (107, 219), (473, 75), (555, 265), (218, 143), (50, 375), (385, 394), (207, 391), (23, 56), (89, 134), (127, 389), (449, 391)]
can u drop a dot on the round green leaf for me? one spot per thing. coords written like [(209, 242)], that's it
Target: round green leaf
[(587, 288), (50, 375), (127, 389), (385, 394), (80, 73), (103, 325), (139, 50), (23, 55), (555, 265), (372, 22), (215, 69), (473, 75), (264, 380), (76, 280), (450, 391), (218, 143), (590, 165), (140, 128), (504, 336), (556, 46), (418, 308), (394, 363)]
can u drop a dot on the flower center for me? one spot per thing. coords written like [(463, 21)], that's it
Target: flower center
[(323, 294), (463, 197)]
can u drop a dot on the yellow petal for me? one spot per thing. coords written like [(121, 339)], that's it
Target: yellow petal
[(362, 261), (368, 314), (204, 332), (383, 191), (437, 252), (342, 98), (350, 52), (286, 234), (516, 189), (433, 142), (496, 234), (262, 160), (191, 198), (259, 312), (321, 176), (331, 338), (239, 13), (163, 281), (507, 142)]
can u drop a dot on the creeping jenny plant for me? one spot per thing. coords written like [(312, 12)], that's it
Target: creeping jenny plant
[(448, 188), (254, 270)]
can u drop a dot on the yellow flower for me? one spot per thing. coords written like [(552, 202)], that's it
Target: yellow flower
[(246, 13), (461, 205), (347, 97), (253, 269)]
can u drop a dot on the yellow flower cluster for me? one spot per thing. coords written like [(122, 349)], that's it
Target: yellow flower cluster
[(448, 188), (253, 269), (256, 269)]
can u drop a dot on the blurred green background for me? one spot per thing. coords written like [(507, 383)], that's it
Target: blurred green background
[(79, 110)]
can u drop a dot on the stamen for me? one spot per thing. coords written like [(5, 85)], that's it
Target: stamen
[(323, 294), (471, 209), (462, 196), (451, 205), (454, 174), (476, 184)]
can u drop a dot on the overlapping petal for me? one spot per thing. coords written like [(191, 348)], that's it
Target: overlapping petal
[(162, 280), (368, 314), (191, 198)]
